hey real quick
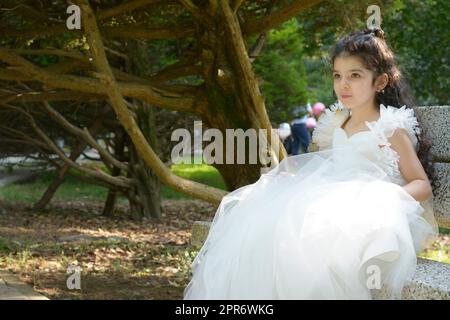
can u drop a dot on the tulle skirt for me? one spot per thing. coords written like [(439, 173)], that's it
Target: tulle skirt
[(322, 225)]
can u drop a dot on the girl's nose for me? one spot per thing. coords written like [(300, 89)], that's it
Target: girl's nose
[(345, 83)]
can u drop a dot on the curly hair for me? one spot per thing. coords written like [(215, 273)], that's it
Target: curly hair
[(371, 47)]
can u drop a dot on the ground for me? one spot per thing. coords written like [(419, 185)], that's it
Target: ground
[(119, 258)]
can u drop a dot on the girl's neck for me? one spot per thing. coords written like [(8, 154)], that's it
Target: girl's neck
[(364, 113)]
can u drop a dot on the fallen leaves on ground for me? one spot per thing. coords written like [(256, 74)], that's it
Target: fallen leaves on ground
[(119, 258)]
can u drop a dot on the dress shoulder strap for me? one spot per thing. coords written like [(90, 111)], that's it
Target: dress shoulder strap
[(392, 118), (328, 121)]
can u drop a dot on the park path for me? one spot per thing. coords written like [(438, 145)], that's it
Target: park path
[(11, 288)]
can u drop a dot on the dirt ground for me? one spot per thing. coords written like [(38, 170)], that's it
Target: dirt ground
[(119, 258)]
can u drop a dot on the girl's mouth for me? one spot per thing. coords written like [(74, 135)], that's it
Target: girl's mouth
[(346, 97)]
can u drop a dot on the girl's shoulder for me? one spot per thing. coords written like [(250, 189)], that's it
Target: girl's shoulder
[(392, 118), (328, 121)]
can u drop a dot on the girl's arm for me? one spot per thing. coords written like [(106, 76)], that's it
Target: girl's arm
[(418, 185)]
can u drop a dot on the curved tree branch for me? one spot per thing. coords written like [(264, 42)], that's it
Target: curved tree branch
[(178, 101), (118, 181), (86, 135), (247, 80)]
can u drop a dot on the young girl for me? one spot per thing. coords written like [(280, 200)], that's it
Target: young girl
[(340, 223)]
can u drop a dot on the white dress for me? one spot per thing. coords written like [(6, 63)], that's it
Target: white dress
[(331, 224)]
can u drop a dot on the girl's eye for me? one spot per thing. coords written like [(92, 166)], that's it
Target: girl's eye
[(336, 76), (355, 75)]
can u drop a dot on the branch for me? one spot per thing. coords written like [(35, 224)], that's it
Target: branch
[(196, 189), (194, 10), (236, 5), (146, 33), (25, 11), (118, 181), (25, 137), (256, 26), (125, 7), (24, 142), (85, 135), (37, 32), (178, 101), (50, 52), (254, 52), (177, 70), (102, 183), (50, 96), (246, 78)]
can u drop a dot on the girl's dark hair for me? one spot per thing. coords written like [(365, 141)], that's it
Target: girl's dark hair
[(371, 47)]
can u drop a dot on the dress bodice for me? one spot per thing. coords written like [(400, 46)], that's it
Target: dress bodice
[(372, 143)]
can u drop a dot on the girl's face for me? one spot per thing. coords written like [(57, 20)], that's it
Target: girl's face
[(352, 82)]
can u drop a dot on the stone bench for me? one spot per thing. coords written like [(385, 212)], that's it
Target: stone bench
[(431, 280), (435, 122)]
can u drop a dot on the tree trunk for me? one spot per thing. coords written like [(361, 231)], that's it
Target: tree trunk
[(232, 90), (111, 199), (148, 185), (145, 198)]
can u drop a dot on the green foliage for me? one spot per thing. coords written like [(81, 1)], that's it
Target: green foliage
[(320, 84), (419, 34), (281, 67)]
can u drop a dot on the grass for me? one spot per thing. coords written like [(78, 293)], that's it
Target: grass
[(440, 249), (444, 230), (73, 188), (441, 254)]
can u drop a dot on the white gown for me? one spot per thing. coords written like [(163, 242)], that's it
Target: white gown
[(331, 224)]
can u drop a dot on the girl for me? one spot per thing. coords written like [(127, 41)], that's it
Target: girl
[(341, 223)]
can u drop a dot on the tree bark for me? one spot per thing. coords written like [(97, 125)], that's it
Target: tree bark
[(111, 199), (232, 91), (148, 185)]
